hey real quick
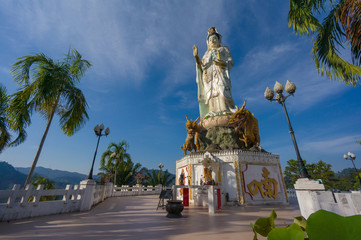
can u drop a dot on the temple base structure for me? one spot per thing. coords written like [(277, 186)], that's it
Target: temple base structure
[(244, 177)]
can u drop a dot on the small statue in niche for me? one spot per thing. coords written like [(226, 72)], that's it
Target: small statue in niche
[(207, 164), (246, 126), (181, 181), (181, 178), (208, 180), (192, 136)]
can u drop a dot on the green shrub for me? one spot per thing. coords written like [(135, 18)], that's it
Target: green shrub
[(321, 225)]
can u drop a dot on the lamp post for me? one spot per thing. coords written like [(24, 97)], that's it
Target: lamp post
[(98, 131), (352, 157), (280, 98), (160, 173)]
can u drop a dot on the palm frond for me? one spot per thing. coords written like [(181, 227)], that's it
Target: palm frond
[(325, 54), (21, 70), (341, 24), (349, 16), (4, 133), (78, 65), (75, 114), (301, 16), (116, 159)]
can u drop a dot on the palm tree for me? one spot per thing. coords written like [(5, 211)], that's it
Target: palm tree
[(341, 25), (48, 184), (39, 180), (156, 177), (127, 171), (51, 91), (5, 135), (114, 157)]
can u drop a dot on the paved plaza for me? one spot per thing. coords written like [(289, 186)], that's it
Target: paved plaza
[(137, 218)]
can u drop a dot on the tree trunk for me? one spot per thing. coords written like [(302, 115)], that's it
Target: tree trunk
[(41, 143), (115, 176)]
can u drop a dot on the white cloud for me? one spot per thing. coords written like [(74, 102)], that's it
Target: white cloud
[(259, 59), (336, 145), (261, 68), (123, 39)]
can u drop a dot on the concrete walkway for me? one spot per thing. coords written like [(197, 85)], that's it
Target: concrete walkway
[(137, 218)]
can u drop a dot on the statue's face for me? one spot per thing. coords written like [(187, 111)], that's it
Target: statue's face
[(213, 41)]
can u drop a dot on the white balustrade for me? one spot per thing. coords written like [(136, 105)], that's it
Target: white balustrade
[(22, 203), (291, 193), (136, 190)]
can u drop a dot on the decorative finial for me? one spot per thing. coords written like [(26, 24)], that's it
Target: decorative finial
[(212, 30)]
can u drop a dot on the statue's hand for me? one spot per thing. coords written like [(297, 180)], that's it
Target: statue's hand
[(195, 54), (195, 51)]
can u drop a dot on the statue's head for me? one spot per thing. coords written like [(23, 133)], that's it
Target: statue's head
[(214, 39)]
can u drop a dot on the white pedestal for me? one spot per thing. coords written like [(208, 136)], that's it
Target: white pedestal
[(307, 191)]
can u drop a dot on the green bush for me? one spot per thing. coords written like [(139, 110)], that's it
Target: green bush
[(321, 225)]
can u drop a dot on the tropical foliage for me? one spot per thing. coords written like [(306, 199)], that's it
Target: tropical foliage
[(321, 225), (114, 156), (39, 180), (319, 170), (156, 177), (334, 24), (48, 87), (344, 180), (48, 184), (4, 132), (116, 165), (5, 136)]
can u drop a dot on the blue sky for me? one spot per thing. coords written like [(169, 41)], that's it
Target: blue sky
[(142, 82)]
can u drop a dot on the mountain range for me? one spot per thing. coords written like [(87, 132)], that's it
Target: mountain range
[(10, 175), (61, 178)]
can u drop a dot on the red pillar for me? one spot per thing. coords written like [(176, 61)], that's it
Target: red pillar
[(186, 197), (219, 199)]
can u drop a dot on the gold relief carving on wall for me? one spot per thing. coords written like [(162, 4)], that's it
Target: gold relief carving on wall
[(267, 187), (190, 180)]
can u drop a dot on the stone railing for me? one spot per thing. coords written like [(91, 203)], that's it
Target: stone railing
[(102, 192), (22, 203), (311, 196), (291, 193), (136, 190)]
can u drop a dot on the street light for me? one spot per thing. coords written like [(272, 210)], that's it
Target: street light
[(352, 157), (98, 131), (160, 173), (280, 98)]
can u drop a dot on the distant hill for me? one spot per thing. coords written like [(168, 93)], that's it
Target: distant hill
[(61, 178), (346, 171), (10, 176)]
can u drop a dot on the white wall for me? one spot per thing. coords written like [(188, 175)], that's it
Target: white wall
[(26, 203)]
